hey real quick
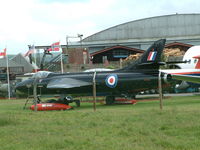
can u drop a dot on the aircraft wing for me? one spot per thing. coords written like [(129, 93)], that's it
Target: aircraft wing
[(189, 78), (66, 83)]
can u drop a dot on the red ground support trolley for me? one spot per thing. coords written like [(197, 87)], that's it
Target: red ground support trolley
[(125, 101), (51, 106)]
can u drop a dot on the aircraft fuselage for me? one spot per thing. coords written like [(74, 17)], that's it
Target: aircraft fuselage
[(119, 82)]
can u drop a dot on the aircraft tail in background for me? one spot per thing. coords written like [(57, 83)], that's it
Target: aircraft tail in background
[(151, 59)]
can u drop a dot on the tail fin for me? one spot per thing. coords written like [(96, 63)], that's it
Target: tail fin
[(198, 62), (150, 59)]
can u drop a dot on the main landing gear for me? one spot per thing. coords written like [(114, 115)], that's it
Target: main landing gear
[(110, 100), (65, 100), (62, 100)]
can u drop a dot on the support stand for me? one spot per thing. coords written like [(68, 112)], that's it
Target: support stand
[(94, 91)]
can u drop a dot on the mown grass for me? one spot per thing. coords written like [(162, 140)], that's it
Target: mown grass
[(142, 126)]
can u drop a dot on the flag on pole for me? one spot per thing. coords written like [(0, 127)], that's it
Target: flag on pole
[(30, 51), (3, 53), (55, 47)]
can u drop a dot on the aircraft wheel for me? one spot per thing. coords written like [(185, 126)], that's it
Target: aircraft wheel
[(110, 100), (133, 96), (78, 103)]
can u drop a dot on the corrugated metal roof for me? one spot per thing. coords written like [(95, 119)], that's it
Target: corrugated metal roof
[(169, 26)]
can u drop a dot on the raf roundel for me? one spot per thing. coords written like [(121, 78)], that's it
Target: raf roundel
[(111, 80)]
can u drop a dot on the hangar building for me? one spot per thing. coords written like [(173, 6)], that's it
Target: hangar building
[(136, 36), (140, 34)]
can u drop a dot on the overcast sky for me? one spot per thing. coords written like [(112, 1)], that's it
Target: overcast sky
[(42, 22)]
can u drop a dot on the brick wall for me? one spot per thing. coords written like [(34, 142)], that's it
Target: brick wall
[(76, 56)]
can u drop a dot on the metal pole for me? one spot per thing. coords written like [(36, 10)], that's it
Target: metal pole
[(61, 62), (35, 94), (160, 90), (120, 63), (35, 55), (38, 57), (67, 42), (94, 91), (80, 36), (8, 77)]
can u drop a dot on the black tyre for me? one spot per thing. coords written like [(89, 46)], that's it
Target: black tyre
[(78, 103), (110, 100)]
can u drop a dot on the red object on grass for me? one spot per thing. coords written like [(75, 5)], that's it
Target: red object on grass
[(51, 106), (125, 101)]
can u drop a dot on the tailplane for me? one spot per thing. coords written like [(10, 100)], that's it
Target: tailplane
[(151, 59)]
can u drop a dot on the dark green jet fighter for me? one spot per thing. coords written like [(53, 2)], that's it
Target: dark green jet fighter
[(140, 75)]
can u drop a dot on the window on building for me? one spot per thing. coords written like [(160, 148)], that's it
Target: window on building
[(120, 53)]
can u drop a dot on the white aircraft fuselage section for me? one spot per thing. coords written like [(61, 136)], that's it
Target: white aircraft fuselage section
[(192, 56)]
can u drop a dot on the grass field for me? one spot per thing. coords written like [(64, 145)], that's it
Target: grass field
[(141, 127)]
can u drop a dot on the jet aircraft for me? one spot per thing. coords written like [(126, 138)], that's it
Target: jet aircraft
[(140, 75)]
